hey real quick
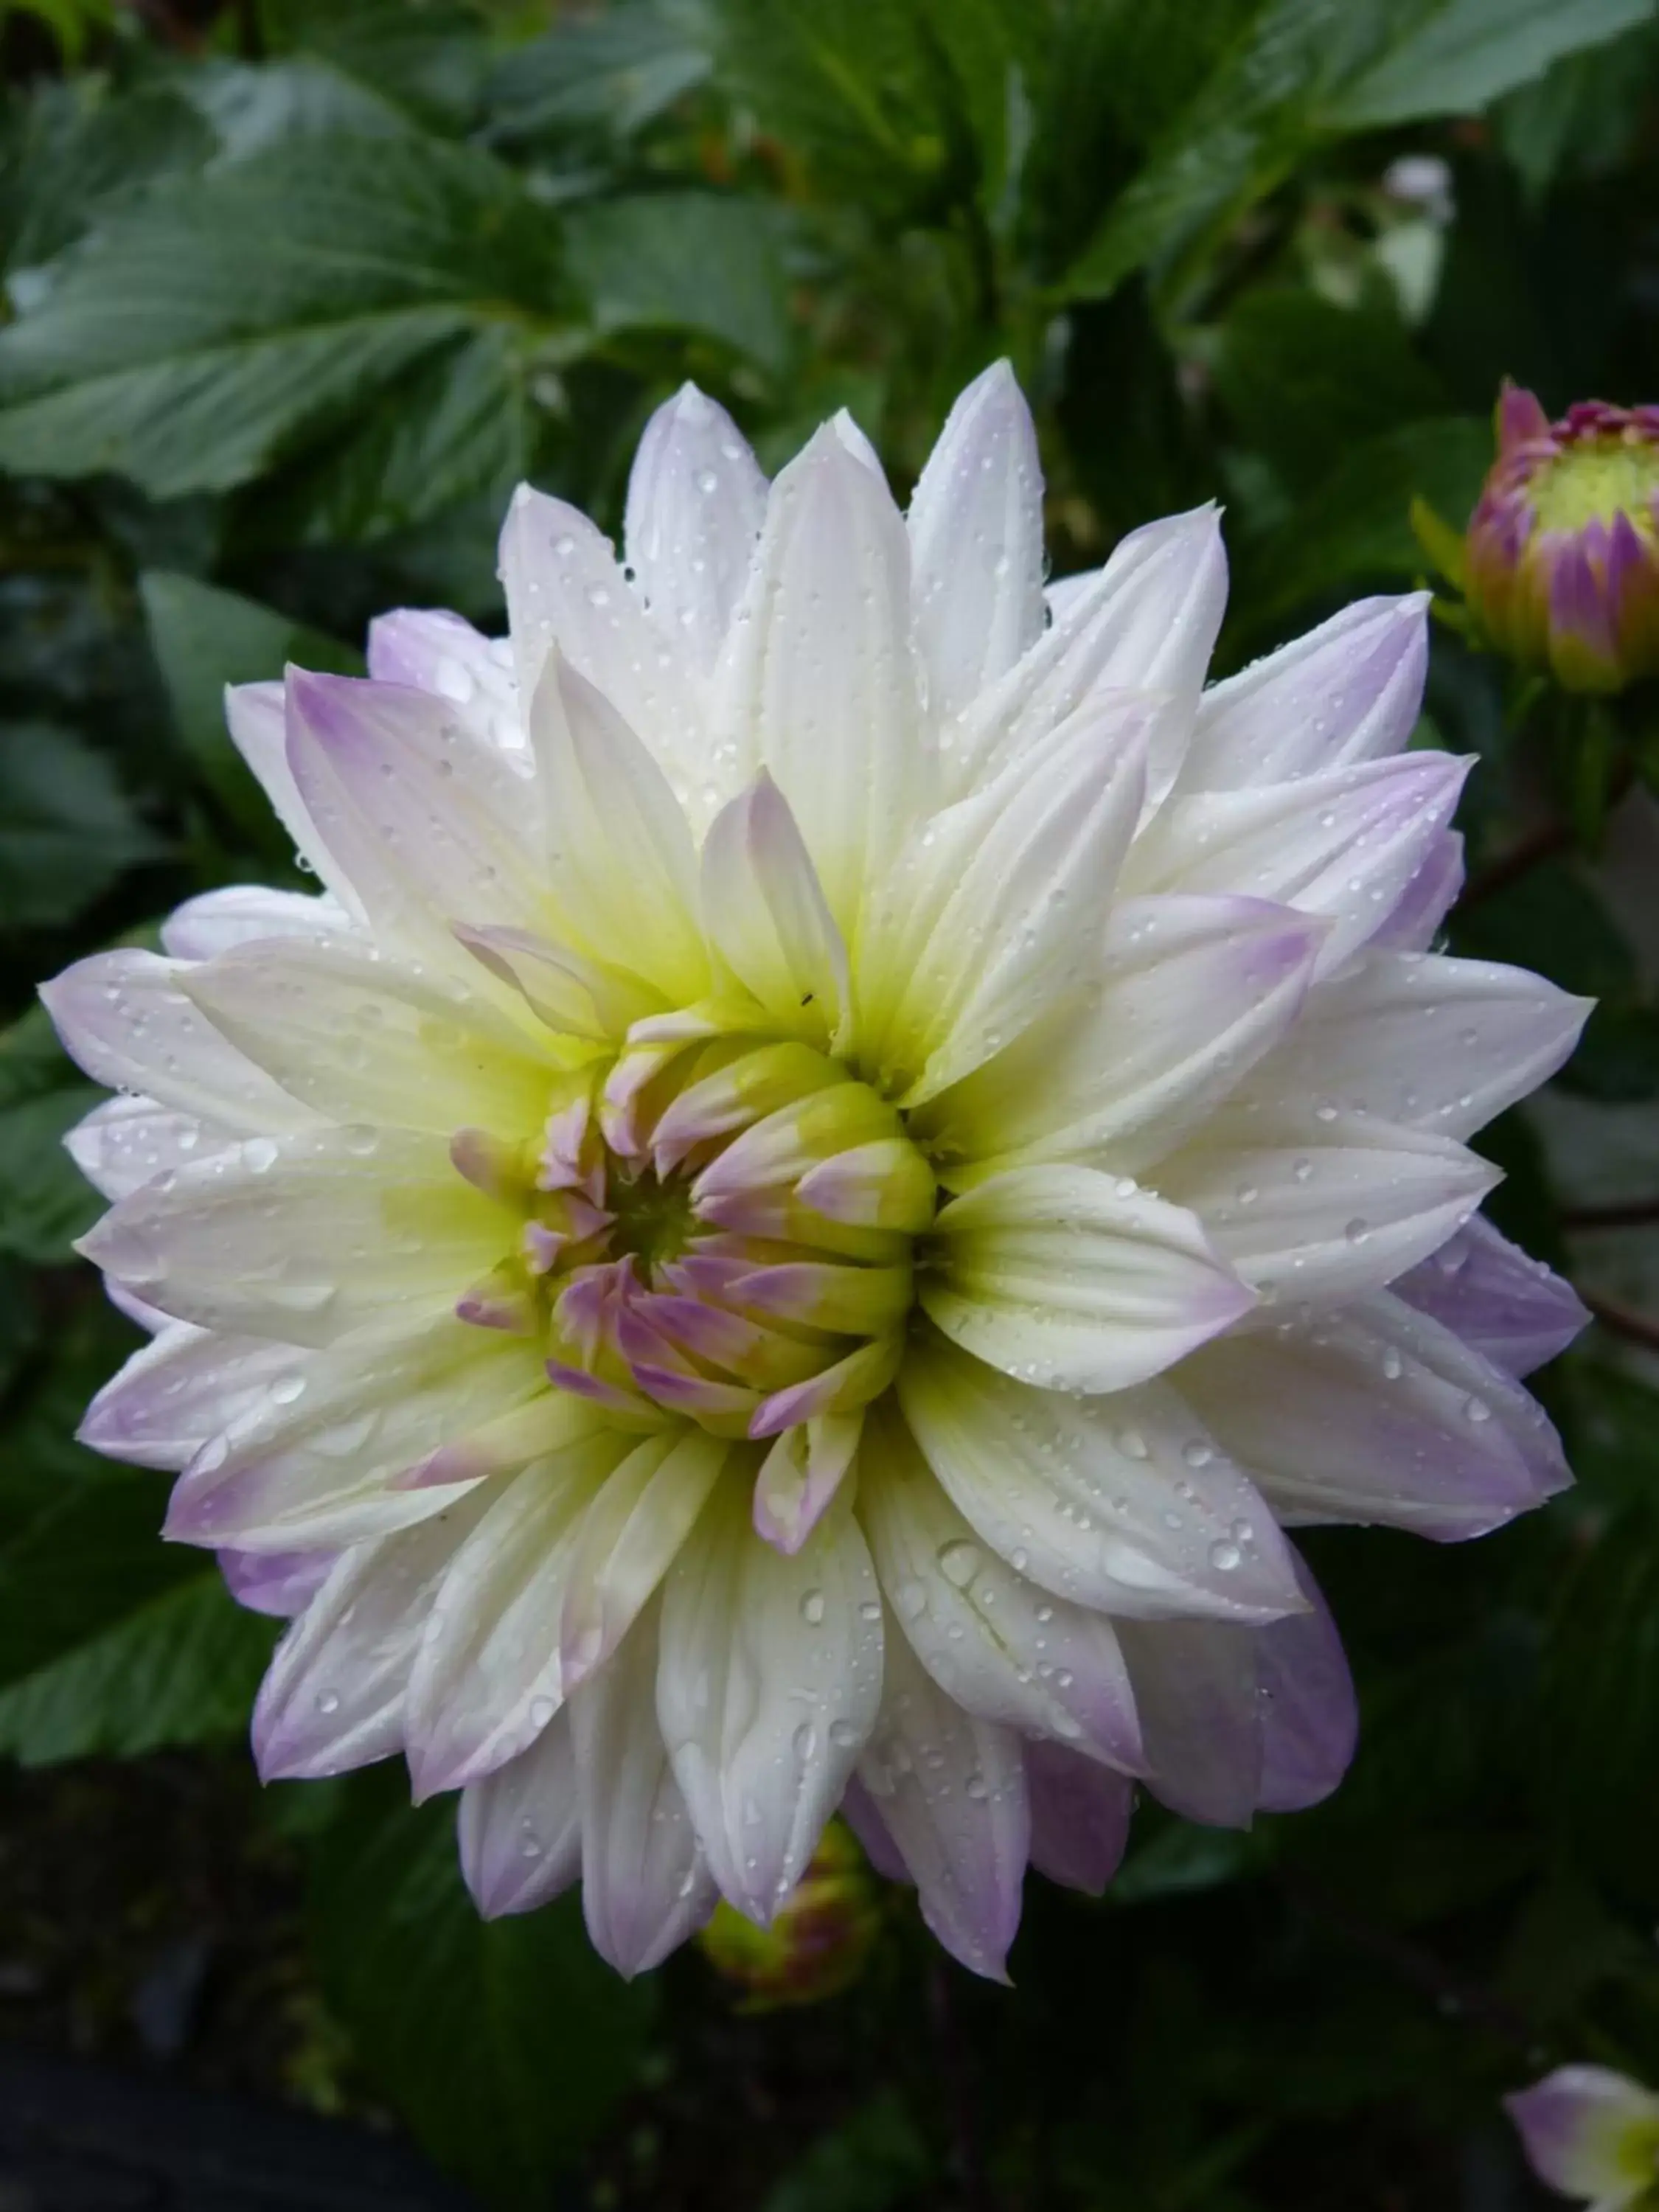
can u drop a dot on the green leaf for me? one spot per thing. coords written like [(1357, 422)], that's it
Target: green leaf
[(853, 88), (1582, 116), (456, 428), (77, 150), (254, 108), (1599, 1740), (1356, 526), (687, 261), (181, 1667), (614, 72), (1179, 1859), (67, 830), (1255, 118), (876, 2158), (203, 639), (45, 1201), (505, 2043), (168, 350), (430, 55), (1470, 52), (1304, 381)]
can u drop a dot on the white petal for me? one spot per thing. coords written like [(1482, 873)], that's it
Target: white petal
[(1123, 1505), (1310, 1203), (695, 502), (432, 650), (304, 1236), (256, 715), (1051, 1274), (127, 1142), (184, 1386), (819, 685), (765, 914), (487, 1679), (768, 1682), (1348, 691), (361, 1038), (1590, 2133), (993, 909), (1196, 1691), (431, 826), (1145, 622), (1434, 1043), (315, 1456), (1345, 844), (215, 921), (976, 525), (950, 1791), (997, 1644), (564, 588), (645, 1886), (520, 1828), (123, 1017), (333, 1697), (1188, 994), (630, 1538), (1377, 1413), (619, 850)]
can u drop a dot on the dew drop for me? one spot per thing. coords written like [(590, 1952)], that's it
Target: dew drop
[(812, 1608)]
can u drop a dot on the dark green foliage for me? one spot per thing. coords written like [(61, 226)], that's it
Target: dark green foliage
[(298, 288)]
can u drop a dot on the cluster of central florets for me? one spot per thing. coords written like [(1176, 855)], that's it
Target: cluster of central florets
[(719, 1226)]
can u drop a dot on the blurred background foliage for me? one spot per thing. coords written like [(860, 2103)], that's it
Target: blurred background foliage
[(296, 291)]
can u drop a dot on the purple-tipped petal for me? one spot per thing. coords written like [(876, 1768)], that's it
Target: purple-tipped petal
[(1310, 1718), (1081, 1814), (281, 1583), (520, 1828), (950, 1791), (1510, 1309)]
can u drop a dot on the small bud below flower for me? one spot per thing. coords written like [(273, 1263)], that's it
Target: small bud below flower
[(1562, 566), (818, 1943)]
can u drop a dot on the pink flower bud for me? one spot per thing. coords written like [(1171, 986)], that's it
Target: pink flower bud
[(1563, 548)]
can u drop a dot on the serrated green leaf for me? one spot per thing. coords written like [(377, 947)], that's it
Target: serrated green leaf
[(67, 829), (615, 72), (1470, 52), (507, 2044), (431, 55), (203, 639), (1245, 129), (180, 1668), (853, 88), (1600, 1742), (46, 1203), (686, 261), (1355, 527), (457, 427), (876, 2158), (1305, 381), (77, 148), (254, 107), (166, 350)]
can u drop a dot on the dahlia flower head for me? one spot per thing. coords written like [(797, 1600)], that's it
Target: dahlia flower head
[(1593, 2135), (841, 1150), (1562, 555)]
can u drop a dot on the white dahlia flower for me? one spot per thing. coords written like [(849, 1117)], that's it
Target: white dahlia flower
[(842, 1150)]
